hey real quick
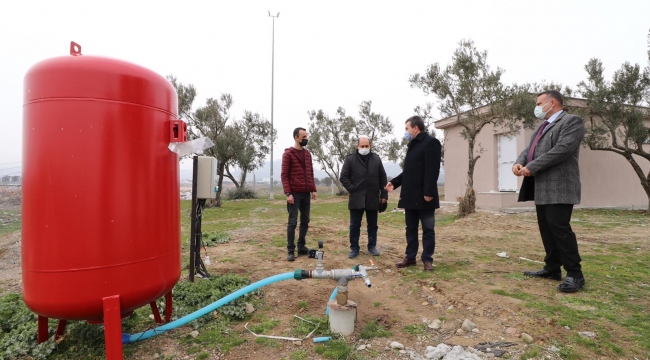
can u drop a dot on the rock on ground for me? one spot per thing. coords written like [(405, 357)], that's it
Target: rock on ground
[(445, 352), (468, 325), (438, 352)]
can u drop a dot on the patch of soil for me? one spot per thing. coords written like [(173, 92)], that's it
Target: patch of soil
[(10, 197), (10, 270)]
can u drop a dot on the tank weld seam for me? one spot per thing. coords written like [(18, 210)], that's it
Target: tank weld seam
[(100, 267), (99, 99)]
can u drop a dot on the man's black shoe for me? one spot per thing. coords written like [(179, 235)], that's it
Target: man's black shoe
[(303, 251), (571, 284), (556, 275), (373, 251), (291, 257), (353, 254)]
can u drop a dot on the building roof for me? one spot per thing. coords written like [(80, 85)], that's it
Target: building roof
[(450, 121)]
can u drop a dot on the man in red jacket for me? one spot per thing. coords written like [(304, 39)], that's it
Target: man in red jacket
[(299, 187)]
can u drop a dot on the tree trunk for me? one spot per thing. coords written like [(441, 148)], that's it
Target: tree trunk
[(242, 179), (335, 180), (467, 204), (217, 202), (646, 187), (643, 178), (340, 189), (232, 178)]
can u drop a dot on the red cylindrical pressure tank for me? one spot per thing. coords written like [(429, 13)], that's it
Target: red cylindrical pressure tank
[(100, 187)]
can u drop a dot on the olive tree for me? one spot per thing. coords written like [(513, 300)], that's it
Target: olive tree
[(619, 116), (239, 144), (331, 139), (472, 93)]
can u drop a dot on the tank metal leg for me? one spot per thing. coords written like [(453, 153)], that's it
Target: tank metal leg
[(43, 333), (113, 328), (168, 306), (60, 329), (156, 313)]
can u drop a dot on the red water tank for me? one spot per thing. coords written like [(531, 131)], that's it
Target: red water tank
[(100, 186)]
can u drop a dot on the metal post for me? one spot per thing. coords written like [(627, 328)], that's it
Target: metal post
[(272, 78), (196, 263), (195, 163)]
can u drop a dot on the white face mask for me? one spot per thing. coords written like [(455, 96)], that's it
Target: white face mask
[(364, 151), (539, 111)]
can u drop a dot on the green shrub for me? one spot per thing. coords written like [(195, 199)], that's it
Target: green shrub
[(18, 331), (192, 296), (241, 193), (13, 312), (21, 342), (215, 237)]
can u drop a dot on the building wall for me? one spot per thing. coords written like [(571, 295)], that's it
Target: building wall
[(607, 178), (457, 160)]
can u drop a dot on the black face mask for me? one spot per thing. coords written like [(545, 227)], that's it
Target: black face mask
[(304, 142)]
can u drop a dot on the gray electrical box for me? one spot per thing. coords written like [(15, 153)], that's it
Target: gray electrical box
[(206, 178)]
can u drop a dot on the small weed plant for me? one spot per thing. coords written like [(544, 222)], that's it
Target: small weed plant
[(335, 349), (216, 237), (373, 330), (415, 329)]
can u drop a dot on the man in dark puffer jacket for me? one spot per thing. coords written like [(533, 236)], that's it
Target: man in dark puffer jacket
[(299, 187)]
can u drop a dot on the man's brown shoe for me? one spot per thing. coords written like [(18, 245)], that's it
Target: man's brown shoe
[(405, 262), (428, 266)]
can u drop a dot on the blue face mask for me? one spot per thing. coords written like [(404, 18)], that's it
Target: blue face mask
[(408, 136)]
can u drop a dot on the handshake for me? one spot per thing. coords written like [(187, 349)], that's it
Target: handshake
[(390, 187), (520, 170)]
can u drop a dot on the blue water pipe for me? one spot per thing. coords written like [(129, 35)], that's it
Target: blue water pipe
[(126, 338), (297, 275), (336, 291)]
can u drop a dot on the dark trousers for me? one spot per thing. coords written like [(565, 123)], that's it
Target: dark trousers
[(428, 220), (356, 215), (559, 240), (302, 203)]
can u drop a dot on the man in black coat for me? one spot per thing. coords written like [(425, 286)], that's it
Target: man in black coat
[(363, 176), (419, 196)]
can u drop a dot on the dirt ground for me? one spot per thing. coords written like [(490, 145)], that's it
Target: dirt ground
[(398, 297), (10, 272)]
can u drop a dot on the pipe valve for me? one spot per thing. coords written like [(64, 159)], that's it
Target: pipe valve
[(341, 276)]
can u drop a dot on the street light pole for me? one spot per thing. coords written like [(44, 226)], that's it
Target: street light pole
[(272, 73)]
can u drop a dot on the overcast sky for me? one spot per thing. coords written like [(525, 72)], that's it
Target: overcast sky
[(327, 53)]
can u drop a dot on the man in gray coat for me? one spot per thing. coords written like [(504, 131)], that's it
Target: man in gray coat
[(363, 176), (552, 178)]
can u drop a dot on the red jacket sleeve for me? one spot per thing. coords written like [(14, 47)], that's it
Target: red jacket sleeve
[(313, 181), (286, 172)]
